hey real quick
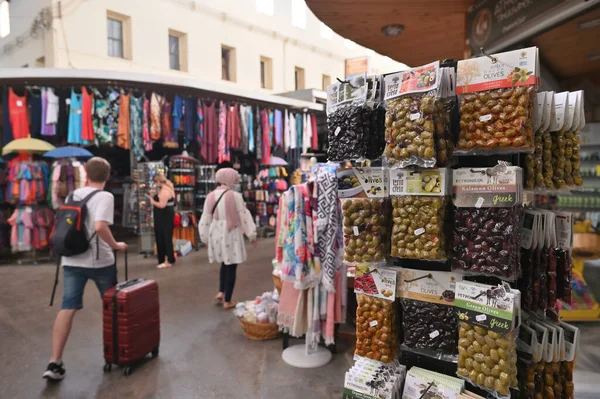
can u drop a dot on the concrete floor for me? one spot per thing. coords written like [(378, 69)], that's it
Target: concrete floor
[(202, 354)]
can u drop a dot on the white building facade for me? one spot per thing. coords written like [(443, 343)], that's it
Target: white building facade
[(265, 45)]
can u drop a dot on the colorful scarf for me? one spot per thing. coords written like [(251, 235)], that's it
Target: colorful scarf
[(327, 227)]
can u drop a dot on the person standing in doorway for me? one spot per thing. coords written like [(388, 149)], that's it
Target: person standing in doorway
[(164, 214), (222, 226), (96, 264)]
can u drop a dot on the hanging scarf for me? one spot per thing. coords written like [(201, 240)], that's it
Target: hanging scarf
[(327, 227)]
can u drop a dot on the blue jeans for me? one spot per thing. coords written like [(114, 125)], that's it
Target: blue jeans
[(75, 279)]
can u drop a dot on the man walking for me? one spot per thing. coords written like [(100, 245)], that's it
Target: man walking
[(96, 264)]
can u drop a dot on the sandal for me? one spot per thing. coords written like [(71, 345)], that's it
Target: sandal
[(163, 266)]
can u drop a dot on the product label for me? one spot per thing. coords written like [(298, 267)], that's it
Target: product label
[(497, 187), (540, 100), (353, 90), (503, 70), (476, 300), (417, 80), (434, 334), (370, 182), (420, 231), (355, 230), (427, 286), (373, 323), (419, 182), (563, 224), (379, 282), (337, 131), (414, 116), (485, 118), (529, 222), (560, 107)]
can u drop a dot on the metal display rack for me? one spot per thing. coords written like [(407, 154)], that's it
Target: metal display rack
[(145, 175)]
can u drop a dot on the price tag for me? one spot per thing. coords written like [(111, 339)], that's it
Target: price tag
[(420, 231), (481, 317), (479, 202), (414, 116), (337, 131), (434, 334), (356, 232), (373, 323), (485, 118), (19, 103)]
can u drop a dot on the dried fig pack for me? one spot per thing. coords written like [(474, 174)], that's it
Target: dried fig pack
[(486, 221), (419, 204), (496, 102), (417, 121), (428, 315), (487, 349)]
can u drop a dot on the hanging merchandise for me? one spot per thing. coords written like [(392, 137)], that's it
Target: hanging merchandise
[(106, 115), (7, 134), (233, 127), (30, 228), (371, 379), (75, 119), (365, 211), (190, 114), (182, 172), (87, 105), (123, 134), (49, 112), (35, 111), (486, 221), (497, 98), (136, 115), (65, 177), (17, 112), (209, 149), (487, 344), (169, 134), (222, 134), (428, 317), (27, 183), (376, 336), (420, 201), (422, 383), (177, 113), (145, 181), (146, 141), (156, 103)]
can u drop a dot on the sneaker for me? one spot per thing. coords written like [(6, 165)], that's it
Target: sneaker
[(55, 372)]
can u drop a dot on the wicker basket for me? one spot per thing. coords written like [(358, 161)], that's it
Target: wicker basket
[(259, 331), (278, 283)]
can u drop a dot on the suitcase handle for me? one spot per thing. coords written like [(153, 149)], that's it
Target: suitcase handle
[(129, 283), (126, 264)]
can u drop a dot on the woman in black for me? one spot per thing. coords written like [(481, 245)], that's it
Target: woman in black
[(164, 212)]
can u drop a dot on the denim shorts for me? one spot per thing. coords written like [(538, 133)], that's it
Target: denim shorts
[(75, 279)]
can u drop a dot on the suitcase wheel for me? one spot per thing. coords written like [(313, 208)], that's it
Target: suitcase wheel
[(155, 352), (107, 367), (127, 371)]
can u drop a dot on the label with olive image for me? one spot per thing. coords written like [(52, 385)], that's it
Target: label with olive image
[(368, 182), (427, 286), (419, 182), (378, 282), (487, 306), (487, 187)]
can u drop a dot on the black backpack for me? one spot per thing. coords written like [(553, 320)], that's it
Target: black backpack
[(69, 236)]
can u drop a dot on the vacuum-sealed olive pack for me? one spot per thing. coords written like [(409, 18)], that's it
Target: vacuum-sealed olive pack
[(376, 328), (487, 347), (496, 102), (355, 119), (419, 206), (417, 121), (428, 316), (486, 239)]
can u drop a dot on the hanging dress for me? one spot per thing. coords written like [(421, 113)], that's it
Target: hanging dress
[(74, 136), (123, 137), (35, 114), (155, 109), (210, 143), (50, 112), (7, 134), (100, 118), (169, 134), (146, 125), (189, 120), (87, 105), (136, 114), (223, 148), (17, 108), (199, 123)]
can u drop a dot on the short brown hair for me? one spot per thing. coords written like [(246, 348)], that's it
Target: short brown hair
[(98, 170)]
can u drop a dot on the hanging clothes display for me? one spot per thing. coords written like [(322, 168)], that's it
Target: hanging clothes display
[(35, 112), (258, 134), (210, 142), (286, 130), (146, 125), (136, 113), (102, 117), (224, 154), (123, 134), (177, 113), (27, 183), (189, 119), (64, 178), (64, 108), (314, 133), (266, 139), (243, 117), (199, 123), (17, 108), (155, 120), (233, 127), (75, 114), (30, 228), (87, 126), (251, 123), (49, 112), (169, 134), (7, 134)]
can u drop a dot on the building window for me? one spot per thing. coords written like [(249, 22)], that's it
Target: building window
[(118, 34), (265, 7), (177, 50), (326, 81), (298, 78), (266, 73), (326, 32), (228, 63), (299, 13)]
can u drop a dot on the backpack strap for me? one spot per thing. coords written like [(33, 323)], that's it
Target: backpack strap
[(219, 200)]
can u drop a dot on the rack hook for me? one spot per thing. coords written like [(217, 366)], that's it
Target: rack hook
[(494, 59)]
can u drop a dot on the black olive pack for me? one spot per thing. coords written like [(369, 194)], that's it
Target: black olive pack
[(355, 119)]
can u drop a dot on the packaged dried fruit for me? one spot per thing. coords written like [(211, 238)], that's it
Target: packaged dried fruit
[(419, 200), (496, 102), (417, 118), (487, 349), (375, 328), (365, 223), (428, 316), (486, 221), (534, 170), (355, 119), (564, 263)]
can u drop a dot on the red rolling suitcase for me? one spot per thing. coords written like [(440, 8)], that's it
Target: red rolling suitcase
[(131, 322)]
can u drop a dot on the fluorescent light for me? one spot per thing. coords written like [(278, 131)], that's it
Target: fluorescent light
[(350, 44), (4, 19), (594, 23)]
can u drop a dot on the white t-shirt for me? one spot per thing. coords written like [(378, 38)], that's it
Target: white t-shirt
[(100, 208)]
